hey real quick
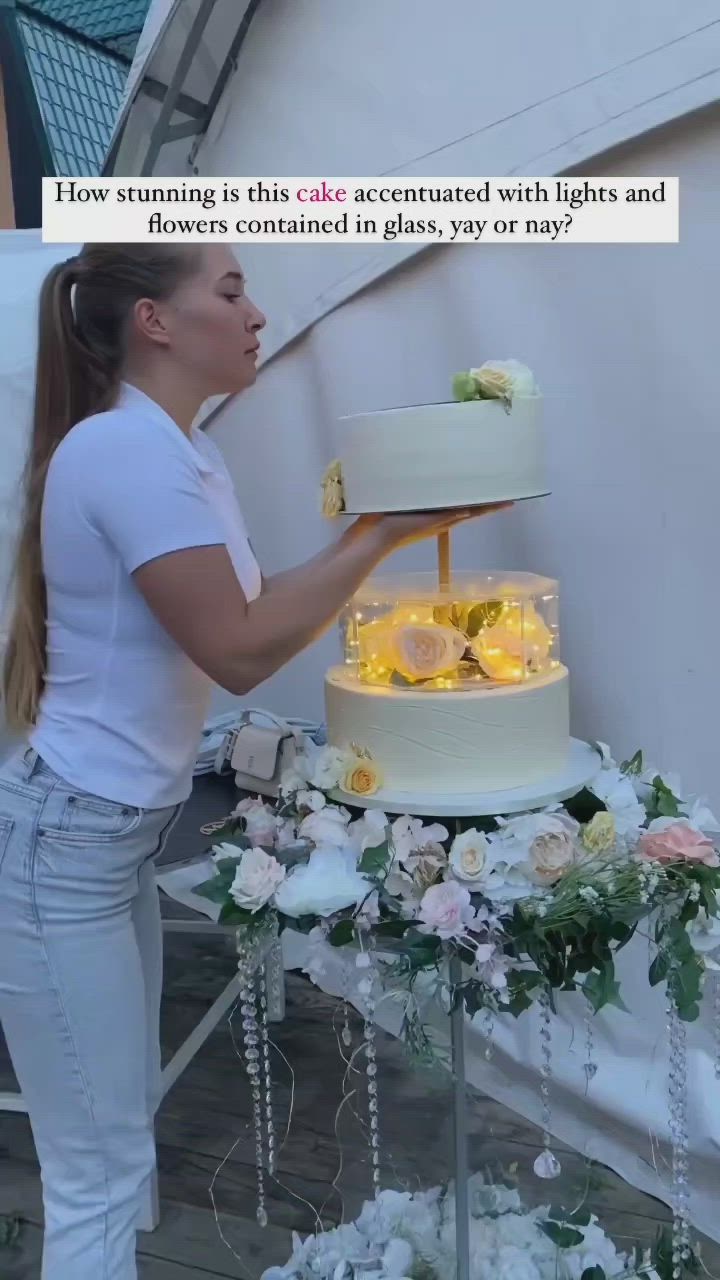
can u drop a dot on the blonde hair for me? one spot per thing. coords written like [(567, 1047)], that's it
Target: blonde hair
[(81, 353)]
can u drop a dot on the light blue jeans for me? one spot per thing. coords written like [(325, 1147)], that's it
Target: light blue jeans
[(80, 987)]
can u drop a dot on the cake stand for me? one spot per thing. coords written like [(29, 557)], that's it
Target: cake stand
[(582, 764)]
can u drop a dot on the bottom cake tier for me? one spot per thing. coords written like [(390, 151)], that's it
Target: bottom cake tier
[(454, 742)]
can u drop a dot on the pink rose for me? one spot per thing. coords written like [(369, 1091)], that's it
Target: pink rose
[(446, 910), (677, 842), (259, 818)]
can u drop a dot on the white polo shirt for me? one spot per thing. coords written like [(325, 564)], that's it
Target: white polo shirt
[(124, 707)]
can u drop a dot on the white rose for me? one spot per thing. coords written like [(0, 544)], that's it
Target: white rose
[(505, 377), (259, 819), (327, 767), (469, 856), (256, 879), (327, 826), (327, 883), (313, 801)]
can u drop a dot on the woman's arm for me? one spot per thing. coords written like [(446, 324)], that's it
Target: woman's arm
[(196, 596)]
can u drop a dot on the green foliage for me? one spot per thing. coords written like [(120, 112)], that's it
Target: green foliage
[(661, 802), (376, 861), (464, 387)]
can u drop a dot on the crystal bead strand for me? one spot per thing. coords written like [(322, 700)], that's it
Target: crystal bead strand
[(487, 1032), (252, 1058), (367, 989), (590, 1067), (262, 992), (677, 1090), (716, 1023), (546, 1165)]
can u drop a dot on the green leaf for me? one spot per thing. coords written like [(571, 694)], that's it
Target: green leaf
[(601, 988), (232, 914), (374, 861), (342, 933), (392, 928), (561, 1235), (215, 890), (485, 614), (464, 387), (634, 765), (659, 969)]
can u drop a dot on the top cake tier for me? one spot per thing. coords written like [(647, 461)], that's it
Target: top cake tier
[(433, 456)]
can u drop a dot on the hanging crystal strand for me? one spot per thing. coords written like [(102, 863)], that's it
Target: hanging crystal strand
[(488, 1024), (367, 989), (546, 1165), (677, 1090), (716, 1023), (248, 1009), (590, 1067), (262, 993)]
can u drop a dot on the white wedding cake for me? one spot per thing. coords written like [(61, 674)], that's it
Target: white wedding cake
[(451, 684), (431, 456)]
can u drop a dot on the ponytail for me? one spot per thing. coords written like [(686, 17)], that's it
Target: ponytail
[(81, 350)]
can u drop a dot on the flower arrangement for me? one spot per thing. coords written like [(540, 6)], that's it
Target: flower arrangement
[(495, 380), (530, 904), (401, 1234), (333, 496)]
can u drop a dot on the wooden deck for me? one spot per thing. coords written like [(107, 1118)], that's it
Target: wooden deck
[(207, 1113)]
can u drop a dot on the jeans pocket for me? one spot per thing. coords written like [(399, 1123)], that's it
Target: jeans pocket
[(6, 830), (78, 818)]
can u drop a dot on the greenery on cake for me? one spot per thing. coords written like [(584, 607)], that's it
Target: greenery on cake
[(495, 380), (537, 903)]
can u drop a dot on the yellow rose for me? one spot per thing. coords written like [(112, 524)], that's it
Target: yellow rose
[(333, 497), (599, 834), (362, 778)]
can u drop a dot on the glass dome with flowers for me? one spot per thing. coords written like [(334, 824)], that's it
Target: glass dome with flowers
[(478, 630)]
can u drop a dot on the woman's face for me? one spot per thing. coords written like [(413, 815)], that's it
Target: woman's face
[(212, 326)]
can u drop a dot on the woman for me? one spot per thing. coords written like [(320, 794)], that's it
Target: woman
[(136, 588)]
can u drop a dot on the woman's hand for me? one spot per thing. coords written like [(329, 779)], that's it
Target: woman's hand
[(399, 529)]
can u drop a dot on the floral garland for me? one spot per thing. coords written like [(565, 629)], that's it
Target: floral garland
[(531, 904), (401, 1234)]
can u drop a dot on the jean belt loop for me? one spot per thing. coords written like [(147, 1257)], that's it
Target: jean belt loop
[(30, 759)]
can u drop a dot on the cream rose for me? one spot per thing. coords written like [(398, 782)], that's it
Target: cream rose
[(503, 379), (258, 876), (469, 855), (333, 497), (550, 856), (362, 778), (599, 834), (421, 652)]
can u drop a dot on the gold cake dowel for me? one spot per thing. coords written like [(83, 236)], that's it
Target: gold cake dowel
[(444, 559)]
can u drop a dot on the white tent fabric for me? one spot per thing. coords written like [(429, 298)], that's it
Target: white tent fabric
[(333, 90)]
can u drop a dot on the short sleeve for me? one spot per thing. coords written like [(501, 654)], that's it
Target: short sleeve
[(145, 494)]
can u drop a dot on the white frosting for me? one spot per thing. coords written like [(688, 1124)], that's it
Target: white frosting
[(442, 455), (485, 740)]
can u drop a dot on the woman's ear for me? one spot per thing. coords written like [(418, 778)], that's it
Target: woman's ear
[(149, 322)]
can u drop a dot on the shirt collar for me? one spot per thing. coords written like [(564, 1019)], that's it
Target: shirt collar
[(131, 397)]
